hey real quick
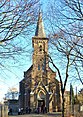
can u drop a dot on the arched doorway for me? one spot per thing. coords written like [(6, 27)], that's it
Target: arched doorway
[(41, 101)]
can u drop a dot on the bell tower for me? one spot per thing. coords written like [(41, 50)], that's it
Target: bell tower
[(40, 45)]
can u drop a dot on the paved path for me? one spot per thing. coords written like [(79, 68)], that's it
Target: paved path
[(39, 115)]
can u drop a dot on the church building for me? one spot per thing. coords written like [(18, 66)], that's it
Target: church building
[(40, 88)]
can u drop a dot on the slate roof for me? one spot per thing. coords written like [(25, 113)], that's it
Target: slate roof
[(40, 32)]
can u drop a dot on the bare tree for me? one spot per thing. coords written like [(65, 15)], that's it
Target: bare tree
[(76, 17), (16, 22), (67, 16), (66, 34), (65, 50), (11, 94), (17, 17)]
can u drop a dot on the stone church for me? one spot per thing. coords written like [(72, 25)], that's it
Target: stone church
[(40, 88)]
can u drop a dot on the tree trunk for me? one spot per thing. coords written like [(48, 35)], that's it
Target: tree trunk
[(62, 105)]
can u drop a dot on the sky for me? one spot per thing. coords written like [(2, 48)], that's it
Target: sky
[(13, 70)]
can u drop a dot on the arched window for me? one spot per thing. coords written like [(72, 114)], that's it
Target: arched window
[(44, 64), (40, 48), (43, 67), (38, 67)]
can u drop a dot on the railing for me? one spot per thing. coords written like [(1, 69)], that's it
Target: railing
[(3, 111)]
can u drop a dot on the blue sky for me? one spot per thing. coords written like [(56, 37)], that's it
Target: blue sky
[(13, 70)]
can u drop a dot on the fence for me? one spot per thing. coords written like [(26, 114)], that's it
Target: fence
[(3, 111)]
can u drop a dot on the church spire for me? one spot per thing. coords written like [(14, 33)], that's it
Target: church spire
[(40, 27)]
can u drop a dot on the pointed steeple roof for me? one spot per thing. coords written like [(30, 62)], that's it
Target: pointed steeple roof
[(40, 32)]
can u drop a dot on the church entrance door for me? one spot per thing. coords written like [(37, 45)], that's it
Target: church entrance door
[(41, 105)]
